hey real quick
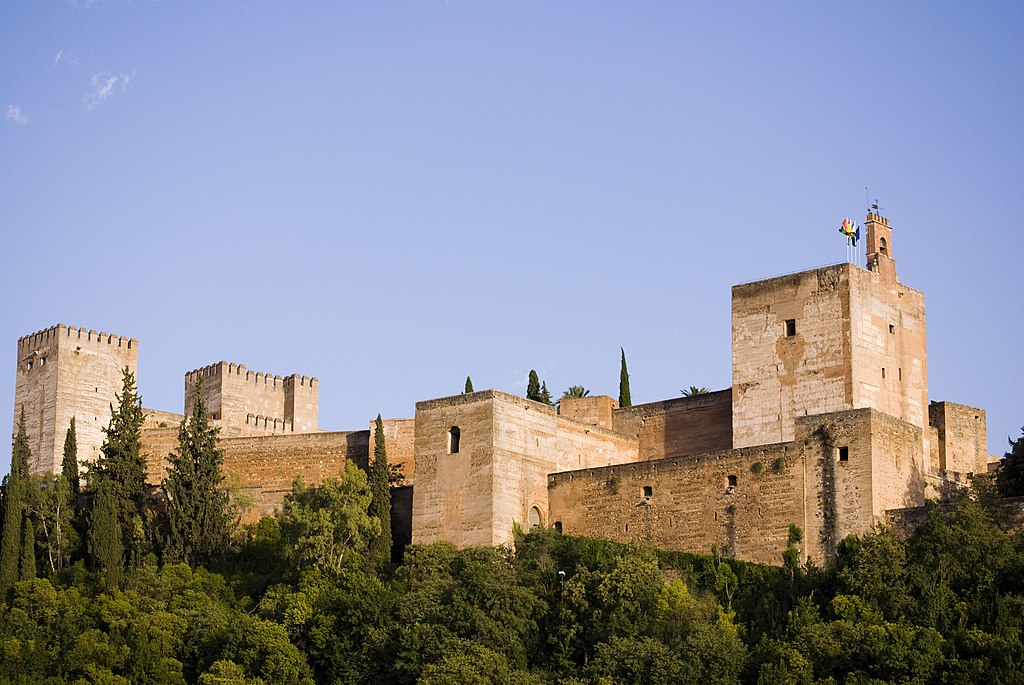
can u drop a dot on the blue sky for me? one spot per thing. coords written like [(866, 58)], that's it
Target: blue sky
[(393, 195)]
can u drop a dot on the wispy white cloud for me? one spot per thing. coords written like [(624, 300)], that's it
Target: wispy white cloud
[(15, 114), (63, 58), (103, 85), (56, 60)]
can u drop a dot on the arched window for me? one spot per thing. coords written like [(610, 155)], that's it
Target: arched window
[(881, 245), (454, 435), (534, 518)]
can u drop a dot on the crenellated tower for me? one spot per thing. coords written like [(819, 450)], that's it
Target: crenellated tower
[(254, 402), (66, 372)]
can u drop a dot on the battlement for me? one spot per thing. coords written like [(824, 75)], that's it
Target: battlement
[(874, 216), (223, 368), (53, 334)]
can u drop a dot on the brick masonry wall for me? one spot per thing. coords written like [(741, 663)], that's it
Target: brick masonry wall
[(679, 427)]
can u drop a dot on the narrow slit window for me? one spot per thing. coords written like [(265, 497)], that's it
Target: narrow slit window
[(790, 328), (844, 454), (892, 328), (454, 437), (901, 373), (883, 372)]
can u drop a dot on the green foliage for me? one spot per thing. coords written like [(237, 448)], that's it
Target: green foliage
[(69, 464), (1010, 477), (469, 386), (197, 516), (694, 390), (380, 492), (105, 539), (27, 566), (545, 394), (14, 509), (122, 466), (624, 399), (575, 391), (533, 387), (328, 527)]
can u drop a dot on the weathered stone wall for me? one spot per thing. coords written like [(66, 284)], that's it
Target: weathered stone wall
[(65, 372), (679, 427), (596, 411), (889, 357), (400, 443), (453, 494), (257, 403), (691, 505), (962, 437), (507, 447), (777, 377)]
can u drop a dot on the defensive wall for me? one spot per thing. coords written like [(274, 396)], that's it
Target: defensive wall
[(678, 427), (840, 475), (961, 443), (64, 372)]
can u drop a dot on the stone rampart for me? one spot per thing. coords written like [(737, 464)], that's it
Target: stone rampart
[(679, 427)]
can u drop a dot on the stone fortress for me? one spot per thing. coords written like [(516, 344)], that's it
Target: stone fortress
[(827, 426)]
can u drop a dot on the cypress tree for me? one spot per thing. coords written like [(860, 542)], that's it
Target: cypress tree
[(14, 509), (533, 387), (105, 546), (545, 395), (122, 465), (624, 398), (197, 516), (69, 466), (28, 550), (469, 386), (380, 491)]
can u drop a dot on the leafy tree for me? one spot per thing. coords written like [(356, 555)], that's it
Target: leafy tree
[(624, 398), (533, 387), (329, 527), (49, 503), (106, 548), (380, 490), (694, 390), (122, 465), (14, 509), (1010, 477), (545, 395), (197, 503), (469, 386), (27, 570), (575, 391)]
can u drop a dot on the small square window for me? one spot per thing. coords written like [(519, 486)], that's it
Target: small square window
[(844, 454), (892, 329), (731, 480), (648, 491), (558, 526), (790, 328), (42, 361)]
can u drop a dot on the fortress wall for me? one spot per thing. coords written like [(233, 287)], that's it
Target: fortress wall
[(400, 443), (256, 402), (691, 506), (597, 411), (268, 465), (962, 437), (155, 417), (777, 377), (888, 332), (453, 495), (897, 458), (679, 427), (74, 372)]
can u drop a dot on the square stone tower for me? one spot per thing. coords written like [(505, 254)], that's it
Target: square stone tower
[(831, 339), (66, 372)]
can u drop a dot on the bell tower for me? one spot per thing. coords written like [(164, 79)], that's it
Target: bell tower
[(879, 246)]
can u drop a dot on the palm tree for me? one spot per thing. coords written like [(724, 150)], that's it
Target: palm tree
[(694, 390), (575, 391)]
